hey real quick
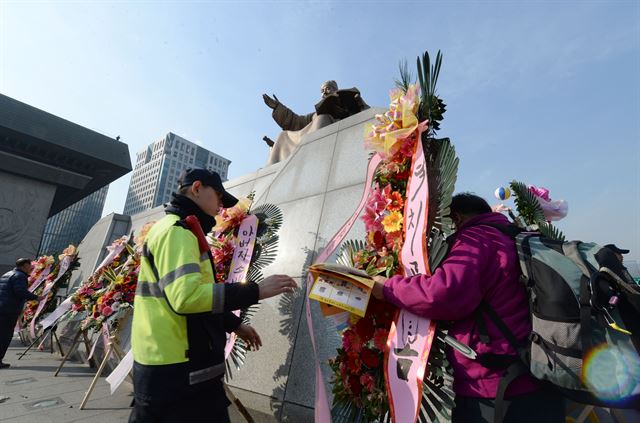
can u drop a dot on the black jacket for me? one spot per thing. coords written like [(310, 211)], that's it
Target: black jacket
[(14, 291)]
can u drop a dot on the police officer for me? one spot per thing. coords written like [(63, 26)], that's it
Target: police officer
[(181, 317)]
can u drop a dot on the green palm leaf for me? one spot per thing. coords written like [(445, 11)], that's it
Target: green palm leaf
[(406, 77), (437, 391), (442, 171), (346, 256), (431, 107), (527, 204), (269, 223), (550, 231)]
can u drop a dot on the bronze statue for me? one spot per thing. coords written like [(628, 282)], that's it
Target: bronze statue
[(335, 105)]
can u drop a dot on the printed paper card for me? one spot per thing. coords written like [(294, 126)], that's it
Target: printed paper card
[(340, 287)]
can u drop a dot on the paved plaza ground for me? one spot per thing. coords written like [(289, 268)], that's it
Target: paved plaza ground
[(30, 393)]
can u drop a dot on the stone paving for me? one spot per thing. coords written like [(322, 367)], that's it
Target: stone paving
[(30, 393)]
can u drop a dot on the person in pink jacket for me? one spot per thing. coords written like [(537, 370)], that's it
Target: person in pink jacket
[(481, 267)]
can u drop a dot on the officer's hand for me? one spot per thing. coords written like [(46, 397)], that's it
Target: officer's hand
[(249, 336), (276, 285)]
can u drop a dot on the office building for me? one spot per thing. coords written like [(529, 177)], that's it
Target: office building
[(157, 169), (71, 224)]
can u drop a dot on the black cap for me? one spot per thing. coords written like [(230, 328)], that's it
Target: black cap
[(613, 247), (210, 179)]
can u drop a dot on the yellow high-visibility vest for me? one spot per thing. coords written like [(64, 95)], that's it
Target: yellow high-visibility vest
[(175, 279)]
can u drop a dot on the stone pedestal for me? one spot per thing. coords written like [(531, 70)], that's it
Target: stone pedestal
[(317, 189)]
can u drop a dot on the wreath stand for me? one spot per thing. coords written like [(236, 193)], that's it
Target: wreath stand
[(43, 336), (112, 347), (241, 408), (72, 348)]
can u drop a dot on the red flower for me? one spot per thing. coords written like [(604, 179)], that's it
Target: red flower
[(370, 358), (394, 240), (354, 364), (378, 239), (354, 385), (351, 341), (364, 328), (380, 338), (396, 201)]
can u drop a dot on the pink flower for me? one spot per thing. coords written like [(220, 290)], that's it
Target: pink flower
[(553, 210), (374, 210), (107, 311), (408, 145), (539, 192)]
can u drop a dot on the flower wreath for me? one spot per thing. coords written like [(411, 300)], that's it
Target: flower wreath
[(223, 241)]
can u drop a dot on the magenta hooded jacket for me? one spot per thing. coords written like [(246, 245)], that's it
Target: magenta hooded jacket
[(482, 264)]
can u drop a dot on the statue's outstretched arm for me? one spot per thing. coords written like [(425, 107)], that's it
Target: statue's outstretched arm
[(288, 120)]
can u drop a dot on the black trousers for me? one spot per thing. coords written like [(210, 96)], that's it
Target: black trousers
[(7, 324), (536, 407), (208, 404)]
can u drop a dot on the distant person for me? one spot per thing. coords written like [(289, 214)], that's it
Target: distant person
[(481, 268), (181, 315), (618, 251), (13, 294)]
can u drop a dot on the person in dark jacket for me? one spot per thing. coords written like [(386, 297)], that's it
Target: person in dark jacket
[(13, 294), (482, 265)]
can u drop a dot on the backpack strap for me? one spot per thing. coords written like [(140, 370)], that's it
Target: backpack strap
[(524, 250), (515, 370), (491, 313), (572, 252), (515, 366)]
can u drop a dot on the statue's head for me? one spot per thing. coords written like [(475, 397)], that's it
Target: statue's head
[(328, 88)]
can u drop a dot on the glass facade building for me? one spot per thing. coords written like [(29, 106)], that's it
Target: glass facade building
[(71, 224), (157, 169)]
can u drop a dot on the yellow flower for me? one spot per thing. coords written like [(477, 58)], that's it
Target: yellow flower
[(69, 251), (392, 222), (394, 126), (232, 216)]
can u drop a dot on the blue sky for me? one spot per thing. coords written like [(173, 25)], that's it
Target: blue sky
[(543, 92)]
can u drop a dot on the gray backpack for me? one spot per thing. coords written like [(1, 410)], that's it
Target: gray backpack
[(585, 311)]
